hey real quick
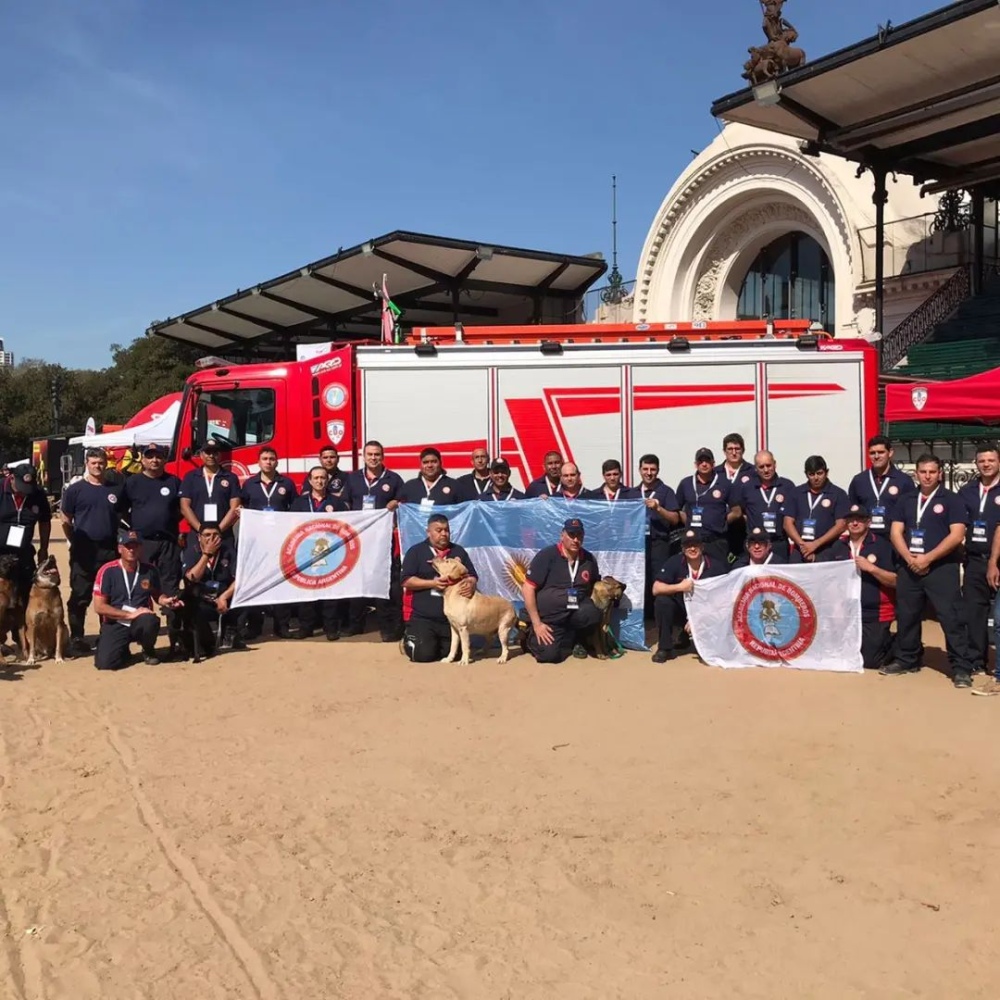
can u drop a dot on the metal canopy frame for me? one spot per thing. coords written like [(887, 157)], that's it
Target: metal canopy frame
[(921, 99), (433, 279)]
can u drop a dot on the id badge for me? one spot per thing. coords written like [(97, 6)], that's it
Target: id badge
[(809, 530), (211, 512), (572, 599), (770, 520), (917, 543), (979, 532), (427, 502), (15, 536), (696, 513), (268, 509), (878, 519), (368, 501)]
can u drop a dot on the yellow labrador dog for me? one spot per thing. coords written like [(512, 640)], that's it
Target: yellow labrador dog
[(476, 615)]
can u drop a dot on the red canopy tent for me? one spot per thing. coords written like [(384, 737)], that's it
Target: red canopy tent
[(975, 399)]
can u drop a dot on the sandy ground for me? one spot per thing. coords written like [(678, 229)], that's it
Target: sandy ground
[(314, 820)]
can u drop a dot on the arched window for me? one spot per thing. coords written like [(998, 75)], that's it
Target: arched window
[(790, 278)]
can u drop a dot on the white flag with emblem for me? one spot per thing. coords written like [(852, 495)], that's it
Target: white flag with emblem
[(291, 557), (805, 616)]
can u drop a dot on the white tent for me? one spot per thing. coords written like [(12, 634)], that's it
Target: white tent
[(159, 430)]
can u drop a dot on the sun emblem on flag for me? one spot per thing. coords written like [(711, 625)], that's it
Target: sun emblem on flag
[(516, 570)]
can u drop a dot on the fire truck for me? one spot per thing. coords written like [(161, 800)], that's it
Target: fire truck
[(590, 392)]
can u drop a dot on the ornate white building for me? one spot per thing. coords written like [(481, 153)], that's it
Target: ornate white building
[(755, 228)]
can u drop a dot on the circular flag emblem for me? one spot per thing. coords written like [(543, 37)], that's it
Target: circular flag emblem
[(717, 494), (334, 396), (385, 487), (585, 575), (164, 491), (939, 508), (282, 491), (224, 483), (872, 557), (445, 489), (112, 498), (774, 619), (893, 490), (780, 498), (745, 479), (826, 503), (996, 500), (319, 554)]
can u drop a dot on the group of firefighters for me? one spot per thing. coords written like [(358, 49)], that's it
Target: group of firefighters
[(912, 543)]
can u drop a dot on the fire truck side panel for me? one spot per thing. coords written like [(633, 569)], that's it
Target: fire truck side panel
[(413, 407), (680, 407), (574, 409), (817, 409)]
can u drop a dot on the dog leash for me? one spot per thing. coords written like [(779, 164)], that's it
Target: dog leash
[(619, 650)]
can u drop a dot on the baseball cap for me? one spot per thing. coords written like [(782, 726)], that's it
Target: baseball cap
[(500, 465), (210, 445), (129, 537), (23, 478), (154, 449), (758, 534), (573, 526), (704, 455), (693, 537), (859, 510)]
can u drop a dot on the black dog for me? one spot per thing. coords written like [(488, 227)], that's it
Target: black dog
[(191, 637)]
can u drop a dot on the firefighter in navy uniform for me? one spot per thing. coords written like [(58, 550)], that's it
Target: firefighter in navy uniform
[(500, 490), (760, 551), (549, 484), (706, 505), (613, 488), (763, 501), (982, 501), (210, 493), (816, 515), (928, 529), (374, 487), (151, 502), (427, 634), (89, 513), (267, 490), (880, 487), (210, 565), (874, 559), (739, 473), (662, 516), (675, 582), (319, 613), (432, 488), (474, 484), (329, 458), (22, 506), (557, 597)]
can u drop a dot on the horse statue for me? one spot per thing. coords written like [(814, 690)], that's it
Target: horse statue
[(779, 54)]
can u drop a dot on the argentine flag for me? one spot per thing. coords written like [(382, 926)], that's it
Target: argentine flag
[(503, 538)]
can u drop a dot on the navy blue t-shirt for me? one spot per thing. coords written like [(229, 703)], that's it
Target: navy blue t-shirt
[(984, 515), (152, 505), (541, 487), (219, 575), (444, 491), (417, 562), (705, 505), (778, 556), (93, 510), (880, 494), (362, 493), (135, 589), (765, 507), (825, 508), (509, 494), (328, 505), (26, 510), (744, 474), (276, 495), (942, 511), (549, 574), (601, 493), (656, 527), (878, 603), (471, 487), (225, 487)]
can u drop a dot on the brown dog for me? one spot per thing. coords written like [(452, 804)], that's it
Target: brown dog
[(606, 594), (45, 633), (476, 615), (11, 609)]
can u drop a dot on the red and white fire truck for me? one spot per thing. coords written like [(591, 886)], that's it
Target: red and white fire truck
[(590, 392)]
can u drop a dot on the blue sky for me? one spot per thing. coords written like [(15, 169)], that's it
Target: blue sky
[(157, 156)]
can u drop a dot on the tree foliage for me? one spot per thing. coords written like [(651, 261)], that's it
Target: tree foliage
[(142, 371)]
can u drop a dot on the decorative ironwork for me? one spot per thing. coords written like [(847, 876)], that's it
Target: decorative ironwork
[(779, 54), (918, 325), (954, 213), (614, 293)]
